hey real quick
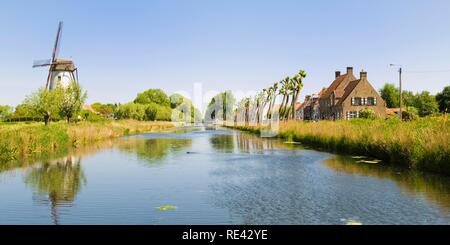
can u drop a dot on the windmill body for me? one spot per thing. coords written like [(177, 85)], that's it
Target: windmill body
[(62, 72)]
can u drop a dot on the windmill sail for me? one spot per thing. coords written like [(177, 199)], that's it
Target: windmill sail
[(40, 63), (55, 51)]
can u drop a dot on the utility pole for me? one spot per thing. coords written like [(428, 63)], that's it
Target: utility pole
[(401, 97), (400, 70)]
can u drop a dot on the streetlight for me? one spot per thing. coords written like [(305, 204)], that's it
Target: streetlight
[(400, 83)]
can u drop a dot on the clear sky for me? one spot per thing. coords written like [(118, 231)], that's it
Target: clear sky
[(124, 47)]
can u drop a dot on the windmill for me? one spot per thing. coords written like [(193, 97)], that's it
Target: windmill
[(61, 71)]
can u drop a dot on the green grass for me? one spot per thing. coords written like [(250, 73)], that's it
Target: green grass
[(423, 144), (19, 140)]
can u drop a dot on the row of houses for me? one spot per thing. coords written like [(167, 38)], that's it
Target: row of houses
[(344, 98)]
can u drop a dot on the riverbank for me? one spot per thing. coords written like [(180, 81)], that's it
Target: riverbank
[(423, 144), (19, 140)]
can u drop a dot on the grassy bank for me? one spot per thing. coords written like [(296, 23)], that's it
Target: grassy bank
[(423, 144), (23, 139)]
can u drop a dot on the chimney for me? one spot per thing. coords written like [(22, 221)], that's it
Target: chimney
[(338, 73), (349, 70), (363, 75)]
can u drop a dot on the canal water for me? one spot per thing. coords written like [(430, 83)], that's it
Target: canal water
[(200, 176)]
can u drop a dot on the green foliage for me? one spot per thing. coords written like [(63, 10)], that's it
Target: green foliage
[(105, 110), (131, 111), (72, 101), (443, 99), (390, 94), (25, 112), (410, 114), (156, 96), (46, 102), (89, 116), (221, 107), (426, 103), (367, 113), (5, 112), (176, 100)]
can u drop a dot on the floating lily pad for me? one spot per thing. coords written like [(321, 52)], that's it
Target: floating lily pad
[(166, 208), (353, 222), (292, 142), (369, 161), (358, 157)]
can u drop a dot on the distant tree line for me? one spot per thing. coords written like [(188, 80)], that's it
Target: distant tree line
[(67, 104), (421, 104)]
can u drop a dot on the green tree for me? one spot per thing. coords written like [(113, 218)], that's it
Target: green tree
[(46, 102), (5, 112), (156, 96), (391, 95), (104, 109), (221, 106), (131, 111), (297, 82), (72, 101), (426, 103), (443, 99)]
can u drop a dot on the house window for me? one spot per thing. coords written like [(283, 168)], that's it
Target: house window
[(371, 101), (352, 114), (356, 101)]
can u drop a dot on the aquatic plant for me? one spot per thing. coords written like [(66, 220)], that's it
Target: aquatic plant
[(166, 208)]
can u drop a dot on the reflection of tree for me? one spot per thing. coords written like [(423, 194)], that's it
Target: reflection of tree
[(60, 180), (222, 142), (246, 143), (435, 187), (153, 150)]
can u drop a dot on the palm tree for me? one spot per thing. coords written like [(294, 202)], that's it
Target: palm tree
[(284, 90), (297, 82)]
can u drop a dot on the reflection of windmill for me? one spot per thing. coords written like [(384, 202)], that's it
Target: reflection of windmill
[(61, 71)]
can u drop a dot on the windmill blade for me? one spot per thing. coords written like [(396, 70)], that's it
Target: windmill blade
[(40, 63), (57, 42)]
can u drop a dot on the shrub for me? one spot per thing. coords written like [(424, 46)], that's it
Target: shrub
[(367, 113)]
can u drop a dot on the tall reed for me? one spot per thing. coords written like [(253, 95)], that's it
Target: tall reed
[(22, 139), (422, 144)]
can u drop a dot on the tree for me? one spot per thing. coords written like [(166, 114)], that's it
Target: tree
[(443, 99), (426, 103), (297, 82), (391, 95), (72, 101), (46, 102), (131, 111), (156, 96), (104, 109), (221, 106), (5, 112)]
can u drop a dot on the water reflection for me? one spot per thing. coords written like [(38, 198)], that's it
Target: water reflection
[(152, 151), (234, 178), (57, 182), (238, 142), (435, 188)]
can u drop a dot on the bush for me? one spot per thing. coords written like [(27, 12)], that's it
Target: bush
[(90, 116), (367, 113)]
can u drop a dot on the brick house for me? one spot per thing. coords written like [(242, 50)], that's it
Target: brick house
[(347, 96)]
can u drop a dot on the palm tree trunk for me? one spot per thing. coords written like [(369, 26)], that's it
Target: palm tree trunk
[(280, 110), (297, 92)]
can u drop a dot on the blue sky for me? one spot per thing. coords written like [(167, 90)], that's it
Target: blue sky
[(124, 47)]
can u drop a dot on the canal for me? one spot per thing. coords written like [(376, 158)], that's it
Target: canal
[(200, 176)]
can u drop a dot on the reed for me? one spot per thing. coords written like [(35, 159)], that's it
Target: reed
[(422, 144), (24, 139)]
